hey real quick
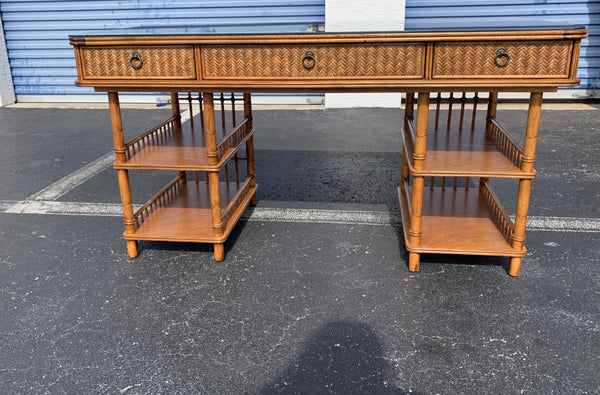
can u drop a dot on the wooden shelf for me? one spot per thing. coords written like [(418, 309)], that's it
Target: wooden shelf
[(169, 146), (468, 153), (182, 212), (460, 221)]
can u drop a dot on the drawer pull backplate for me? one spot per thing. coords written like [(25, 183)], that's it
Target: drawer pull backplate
[(136, 61), (502, 58), (308, 61)]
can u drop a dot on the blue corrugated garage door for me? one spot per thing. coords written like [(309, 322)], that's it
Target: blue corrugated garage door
[(434, 14), (41, 58)]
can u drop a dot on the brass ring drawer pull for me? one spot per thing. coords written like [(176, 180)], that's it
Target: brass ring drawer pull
[(308, 61), (136, 61), (502, 58)]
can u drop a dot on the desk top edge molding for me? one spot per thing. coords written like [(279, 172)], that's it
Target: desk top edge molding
[(412, 36)]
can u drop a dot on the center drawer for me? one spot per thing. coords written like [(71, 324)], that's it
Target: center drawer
[(313, 61)]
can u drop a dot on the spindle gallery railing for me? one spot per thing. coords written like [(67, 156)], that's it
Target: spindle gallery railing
[(463, 100), (241, 194), (162, 199), (237, 135), (190, 99), (153, 136), (497, 212), (454, 182), (506, 143), (196, 101)]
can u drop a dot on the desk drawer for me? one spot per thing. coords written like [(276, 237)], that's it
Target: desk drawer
[(139, 62), (513, 59), (313, 61)]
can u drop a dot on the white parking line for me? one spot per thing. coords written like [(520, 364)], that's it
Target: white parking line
[(45, 202), (78, 177), (52, 207), (73, 180), (289, 215)]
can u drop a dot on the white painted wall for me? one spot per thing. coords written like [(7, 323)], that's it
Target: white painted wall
[(363, 16), (7, 90)]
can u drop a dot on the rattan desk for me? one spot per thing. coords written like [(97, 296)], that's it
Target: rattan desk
[(457, 213)]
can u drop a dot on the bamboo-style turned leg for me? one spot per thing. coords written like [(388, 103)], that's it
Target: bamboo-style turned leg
[(219, 251), (250, 146), (527, 160), (418, 182), (123, 176), (414, 260), (514, 266), (213, 176)]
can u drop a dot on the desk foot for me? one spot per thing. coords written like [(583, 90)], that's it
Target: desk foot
[(514, 266), (132, 248), (413, 261), (219, 249)]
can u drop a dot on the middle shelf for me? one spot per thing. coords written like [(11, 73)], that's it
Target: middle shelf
[(175, 146), (469, 152)]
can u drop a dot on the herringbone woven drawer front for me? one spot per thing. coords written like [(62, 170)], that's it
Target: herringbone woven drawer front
[(477, 59), (155, 62), (328, 61)]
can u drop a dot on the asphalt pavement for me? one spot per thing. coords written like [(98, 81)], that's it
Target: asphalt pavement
[(314, 295)]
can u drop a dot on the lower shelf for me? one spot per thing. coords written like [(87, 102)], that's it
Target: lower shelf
[(459, 221), (182, 212)]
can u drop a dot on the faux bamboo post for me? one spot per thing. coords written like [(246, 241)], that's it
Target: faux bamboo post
[(176, 111), (213, 176), (191, 110), (418, 181), (250, 145), (408, 117), (450, 103), (123, 175), (527, 160), (474, 115), (491, 111)]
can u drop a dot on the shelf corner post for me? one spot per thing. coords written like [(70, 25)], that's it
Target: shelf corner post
[(123, 175), (213, 176), (418, 181), (491, 111), (175, 109), (250, 145), (527, 160), (176, 112)]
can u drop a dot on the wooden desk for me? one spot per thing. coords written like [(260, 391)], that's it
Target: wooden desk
[(457, 211)]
